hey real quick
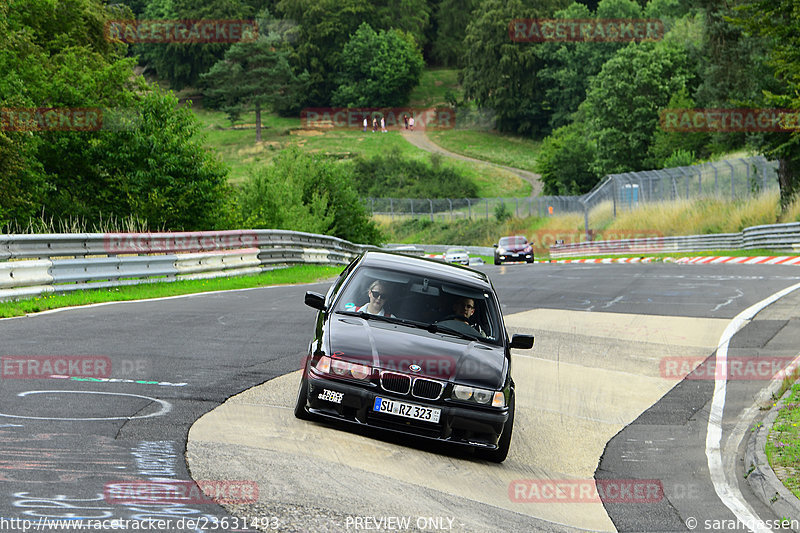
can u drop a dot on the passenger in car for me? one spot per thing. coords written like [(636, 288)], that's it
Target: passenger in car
[(463, 309), (378, 296)]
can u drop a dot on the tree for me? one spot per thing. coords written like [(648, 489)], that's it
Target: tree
[(254, 74), (624, 99), (182, 64), (377, 69), (565, 161), (503, 75), (144, 159), (451, 18), (776, 21), (304, 192), (325, 26)]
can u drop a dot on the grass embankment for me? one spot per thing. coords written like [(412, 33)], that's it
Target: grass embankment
[(508, 150), (239, 150), (783, 443), (284, 276)]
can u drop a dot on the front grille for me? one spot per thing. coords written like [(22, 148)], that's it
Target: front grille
[(427, 389), (393, 382)]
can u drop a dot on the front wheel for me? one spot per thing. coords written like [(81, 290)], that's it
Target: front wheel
[(302, 399), (504, 443)]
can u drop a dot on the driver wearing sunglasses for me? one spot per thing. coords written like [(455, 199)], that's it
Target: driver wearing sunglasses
[(377, 294)]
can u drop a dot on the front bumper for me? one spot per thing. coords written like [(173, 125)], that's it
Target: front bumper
[(519, 256), (457, 424)]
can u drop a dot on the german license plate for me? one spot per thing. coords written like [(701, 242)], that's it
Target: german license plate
[(407, 410)]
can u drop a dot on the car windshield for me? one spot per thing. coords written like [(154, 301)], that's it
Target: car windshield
[(421, 301), (513, 241), (456, 251)]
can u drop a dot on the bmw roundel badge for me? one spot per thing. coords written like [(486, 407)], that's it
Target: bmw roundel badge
[(415, 368)]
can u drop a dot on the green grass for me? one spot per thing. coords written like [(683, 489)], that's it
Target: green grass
[(236, 145), (491, 181), (283, 276), (783, 443), (238, 149), (511, 151), (433, 86)]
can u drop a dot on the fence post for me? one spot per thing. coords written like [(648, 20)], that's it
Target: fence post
[(487, 208), (391, 207), (451, 209), (469, 209), (733, 184), (431, 202)]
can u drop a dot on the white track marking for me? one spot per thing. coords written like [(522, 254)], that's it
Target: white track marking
[(727, 492)]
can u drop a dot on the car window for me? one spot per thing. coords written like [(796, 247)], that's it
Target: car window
[(512, 241), (422, 300)]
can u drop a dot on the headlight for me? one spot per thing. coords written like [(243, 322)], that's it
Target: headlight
[(324, 364), (483, 396), (501, 251), (360, 371), (341, 368), (480, 396), (461, 392)]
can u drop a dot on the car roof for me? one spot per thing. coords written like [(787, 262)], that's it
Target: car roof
[(423, 266)]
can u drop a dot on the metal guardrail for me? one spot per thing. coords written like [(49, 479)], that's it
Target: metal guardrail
[(779, 237), (35, 264)]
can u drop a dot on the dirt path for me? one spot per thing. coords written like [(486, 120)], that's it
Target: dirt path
[(419, 139)]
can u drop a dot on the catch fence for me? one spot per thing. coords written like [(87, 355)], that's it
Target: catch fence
[(732, 179)]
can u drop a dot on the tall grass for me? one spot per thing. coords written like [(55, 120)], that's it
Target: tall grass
[(681, 217), (76, 224)]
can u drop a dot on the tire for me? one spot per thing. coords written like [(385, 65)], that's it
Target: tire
[(503, 444), (302, 399), (529, 260), (496, 261)]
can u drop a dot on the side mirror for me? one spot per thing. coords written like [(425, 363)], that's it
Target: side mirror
[(522, 342), (315, 300), (494, 245)]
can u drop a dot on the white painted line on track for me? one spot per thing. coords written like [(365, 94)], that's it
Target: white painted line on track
[(729, 493)]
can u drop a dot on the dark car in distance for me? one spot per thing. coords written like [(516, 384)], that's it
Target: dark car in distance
[(513, 248), (420, 366)]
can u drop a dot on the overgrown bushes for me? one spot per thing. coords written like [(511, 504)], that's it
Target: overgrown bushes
[(397, 177)]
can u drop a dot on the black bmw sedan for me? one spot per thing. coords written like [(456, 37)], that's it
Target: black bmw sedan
[(415, 346)]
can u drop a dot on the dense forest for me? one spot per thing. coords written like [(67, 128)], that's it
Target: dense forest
[(596, 105)]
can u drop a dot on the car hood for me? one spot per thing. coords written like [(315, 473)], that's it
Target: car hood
[(397, 347)]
